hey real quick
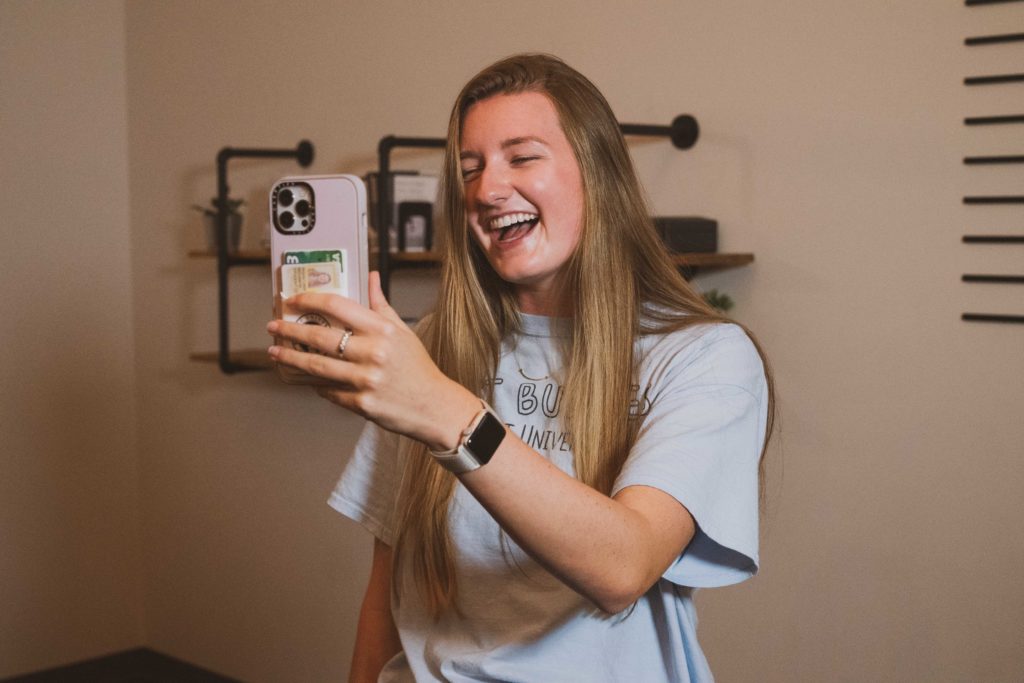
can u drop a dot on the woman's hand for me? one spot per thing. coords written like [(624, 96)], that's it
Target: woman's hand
[(385, 374)]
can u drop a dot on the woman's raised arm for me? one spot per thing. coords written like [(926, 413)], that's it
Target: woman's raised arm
[(608, 550)]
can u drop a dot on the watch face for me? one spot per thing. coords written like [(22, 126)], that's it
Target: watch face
[(486, 438)]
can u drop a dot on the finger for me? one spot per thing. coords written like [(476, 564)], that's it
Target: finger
[(344, 398), (326, 340), (316, 338), (315, 364), (378, 302), (351, 314)]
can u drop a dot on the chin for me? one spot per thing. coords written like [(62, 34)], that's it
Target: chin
[(521, 277), (514, 273)]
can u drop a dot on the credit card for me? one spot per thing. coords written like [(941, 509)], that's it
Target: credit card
[(316, 256)]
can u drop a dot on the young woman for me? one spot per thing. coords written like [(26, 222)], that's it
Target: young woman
[(560, 535)]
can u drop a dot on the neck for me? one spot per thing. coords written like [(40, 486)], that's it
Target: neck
[(550, 298), (545, 303)]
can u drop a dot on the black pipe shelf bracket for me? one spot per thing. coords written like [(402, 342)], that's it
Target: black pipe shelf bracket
[(303, 154), (384, 209), (683, 131)]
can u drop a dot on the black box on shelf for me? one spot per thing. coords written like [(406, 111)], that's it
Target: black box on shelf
[(415, 226), (410, 227), (688, 234)]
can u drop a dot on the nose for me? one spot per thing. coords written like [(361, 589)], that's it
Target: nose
[(492, 186)]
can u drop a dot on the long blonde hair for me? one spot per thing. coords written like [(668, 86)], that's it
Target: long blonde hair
[(476, 310)]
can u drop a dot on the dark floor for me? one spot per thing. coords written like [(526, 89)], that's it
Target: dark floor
[(131, 666)]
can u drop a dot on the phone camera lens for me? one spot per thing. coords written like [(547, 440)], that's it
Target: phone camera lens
[(285, 197), (302, 207), (286, 219)]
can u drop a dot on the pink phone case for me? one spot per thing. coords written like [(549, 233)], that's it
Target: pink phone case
[(317, 240)]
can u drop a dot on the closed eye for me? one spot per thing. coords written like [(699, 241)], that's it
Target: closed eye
[(523, 159), (470, 173)]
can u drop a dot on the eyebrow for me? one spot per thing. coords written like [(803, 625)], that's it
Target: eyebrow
[(511, 142)]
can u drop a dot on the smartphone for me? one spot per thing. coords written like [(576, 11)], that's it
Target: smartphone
[(318, 243)]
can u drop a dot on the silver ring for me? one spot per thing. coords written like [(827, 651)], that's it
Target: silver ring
[(344, 342)]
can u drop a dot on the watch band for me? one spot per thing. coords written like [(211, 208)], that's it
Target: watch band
[(477, 443)]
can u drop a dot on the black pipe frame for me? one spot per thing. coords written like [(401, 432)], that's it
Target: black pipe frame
[(303, 153)]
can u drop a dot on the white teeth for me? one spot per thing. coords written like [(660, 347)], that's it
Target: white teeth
[(510, 219)]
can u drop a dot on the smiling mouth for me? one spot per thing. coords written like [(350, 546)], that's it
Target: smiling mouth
[(513, 226)]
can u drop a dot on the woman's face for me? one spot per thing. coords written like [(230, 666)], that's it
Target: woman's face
[(524, 193)]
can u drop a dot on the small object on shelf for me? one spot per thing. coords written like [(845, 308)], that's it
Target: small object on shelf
[(234, 223), (415, 226), (719, 300), (688, 234)]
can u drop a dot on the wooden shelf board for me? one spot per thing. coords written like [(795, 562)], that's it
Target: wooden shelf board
[(243, 253), (417, 257), (694, 260), (257, 359), (399, 259), (430, 258)]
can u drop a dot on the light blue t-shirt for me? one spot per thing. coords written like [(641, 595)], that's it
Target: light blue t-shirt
[(702, 402)]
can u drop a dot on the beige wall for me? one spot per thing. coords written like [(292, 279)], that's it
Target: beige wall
[(831, 148), (70, 576)]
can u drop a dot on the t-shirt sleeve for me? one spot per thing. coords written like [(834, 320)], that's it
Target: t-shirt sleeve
[(368, 487), (705, 397)]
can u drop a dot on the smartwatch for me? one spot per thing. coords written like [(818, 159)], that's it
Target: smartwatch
[(476, 445)]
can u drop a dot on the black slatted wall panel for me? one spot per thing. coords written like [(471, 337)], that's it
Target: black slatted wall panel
[(1010, 46)]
